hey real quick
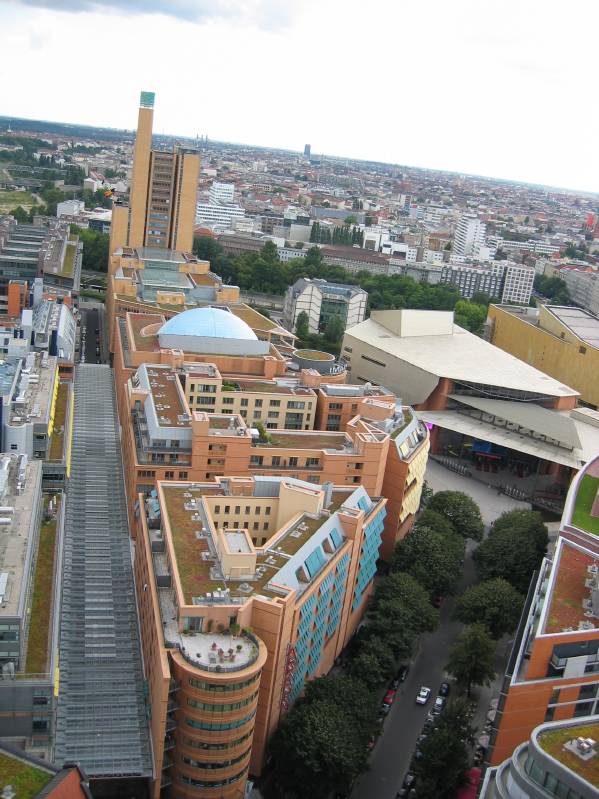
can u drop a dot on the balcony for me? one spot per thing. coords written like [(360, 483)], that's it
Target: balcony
[(169, 743)]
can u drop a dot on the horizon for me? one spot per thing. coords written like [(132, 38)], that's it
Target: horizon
[(453, 87)]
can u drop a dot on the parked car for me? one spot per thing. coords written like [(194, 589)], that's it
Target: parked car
[(439, 705), (409, 781), (402, 672), (444, 689), (423, 695), (388, 701), (394, 684)]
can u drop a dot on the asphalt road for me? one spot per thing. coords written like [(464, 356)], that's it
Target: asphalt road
[(92, 319), (391, 757)]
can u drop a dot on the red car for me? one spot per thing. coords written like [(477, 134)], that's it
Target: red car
[(388, 700)]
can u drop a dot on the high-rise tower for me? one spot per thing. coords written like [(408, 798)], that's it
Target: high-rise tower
[(161, 209)]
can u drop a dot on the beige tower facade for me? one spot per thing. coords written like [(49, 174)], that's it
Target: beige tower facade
[(162, 202)]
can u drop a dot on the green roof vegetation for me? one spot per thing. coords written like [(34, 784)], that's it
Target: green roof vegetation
[(315, 355), (12, 199), (407, 419), (553, 743), (41, 606), (60, 415), (69, 260), (587, 491), (27, 780)]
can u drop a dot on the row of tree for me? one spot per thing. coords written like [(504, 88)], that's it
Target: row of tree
[(554, 288), (321, 746), (264, 272), (346, 234)]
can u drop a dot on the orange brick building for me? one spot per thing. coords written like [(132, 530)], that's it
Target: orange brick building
[(231, 630), (553, 673)]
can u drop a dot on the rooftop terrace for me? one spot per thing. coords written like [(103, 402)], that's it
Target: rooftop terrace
[(171, 410), (554, 743), (287, 439), (570, 598)]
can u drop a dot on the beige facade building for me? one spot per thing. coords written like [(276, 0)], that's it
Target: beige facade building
[(161, 208), (231, 630)]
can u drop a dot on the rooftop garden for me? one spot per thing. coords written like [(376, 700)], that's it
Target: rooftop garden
[(60, 416), (26, 780), (194, 572), (41, 605), (566, 609), (553, 743), (315, 355), (582, 516), (69, 260), (307, 440), (408, 416)]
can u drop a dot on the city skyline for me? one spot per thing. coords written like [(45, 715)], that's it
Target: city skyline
[(471, 94)]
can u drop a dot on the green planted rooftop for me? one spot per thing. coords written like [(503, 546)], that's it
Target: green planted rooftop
[(25, 779), (582, 516), (60, 417), (553, 742), (41, 606)]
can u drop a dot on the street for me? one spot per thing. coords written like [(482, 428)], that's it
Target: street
[(393, 752), (93, 340)]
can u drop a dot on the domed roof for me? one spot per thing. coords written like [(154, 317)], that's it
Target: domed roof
[(210, 323)]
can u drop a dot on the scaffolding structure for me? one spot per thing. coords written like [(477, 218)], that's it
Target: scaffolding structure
[(102, 716)]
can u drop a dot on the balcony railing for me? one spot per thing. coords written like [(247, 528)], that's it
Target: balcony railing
[(224, 667)]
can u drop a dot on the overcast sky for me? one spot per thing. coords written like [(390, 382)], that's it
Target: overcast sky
[(492, 87)]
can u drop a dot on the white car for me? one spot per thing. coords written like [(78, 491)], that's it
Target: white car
[(423, 695)]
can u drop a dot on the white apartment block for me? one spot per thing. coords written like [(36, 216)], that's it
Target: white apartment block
[(321, 301), (207, 214), (70, 208), (221, 193), (517, 283), (400, 251), (469, 235)]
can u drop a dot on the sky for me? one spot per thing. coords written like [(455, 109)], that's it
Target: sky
[(488, 87)]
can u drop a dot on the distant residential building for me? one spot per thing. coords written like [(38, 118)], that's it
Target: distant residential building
[(217, 214), (321, 301), (69, 208), (469, 234), (518, 283), (355, 259), (583, 287), (307, 150), (221, 193), (503, 279), (538, 247)]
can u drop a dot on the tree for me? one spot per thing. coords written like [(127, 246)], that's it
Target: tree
[(20, 214), (320, 745), (437, 522), (443, 766), (470, 316), (528, 523), (400, 611), (335, 328), (373, 661), (472, 656), (494, 603), (513, 549), (444, 762), (207, 249), (95, 249), (461, 511), (432, 558), (351, 219), (302, 329)]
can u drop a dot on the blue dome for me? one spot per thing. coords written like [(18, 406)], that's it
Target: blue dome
[(208, 323)]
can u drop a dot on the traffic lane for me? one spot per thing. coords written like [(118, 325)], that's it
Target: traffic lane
[(391, 757), (92, 343)]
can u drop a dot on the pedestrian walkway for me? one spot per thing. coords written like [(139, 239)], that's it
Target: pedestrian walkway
[(101, 720)]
